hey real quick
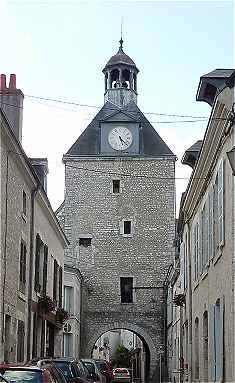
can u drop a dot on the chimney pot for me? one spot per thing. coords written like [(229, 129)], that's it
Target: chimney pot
[(12, 83), (3, 82)]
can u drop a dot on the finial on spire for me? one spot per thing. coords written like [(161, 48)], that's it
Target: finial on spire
[(121, 40)]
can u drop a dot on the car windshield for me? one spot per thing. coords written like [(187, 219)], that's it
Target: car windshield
[(90, 367), (121, 371), (21, 376), (65, 367), (101, 365)]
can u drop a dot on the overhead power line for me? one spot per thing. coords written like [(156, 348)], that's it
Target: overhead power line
[(130, 175)]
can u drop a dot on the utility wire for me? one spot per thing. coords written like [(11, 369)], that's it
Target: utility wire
[(201, 119), (130, 175)]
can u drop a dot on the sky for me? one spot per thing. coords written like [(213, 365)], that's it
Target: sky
[(58, 50)]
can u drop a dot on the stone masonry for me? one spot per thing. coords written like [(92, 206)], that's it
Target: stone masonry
[(91, 209)]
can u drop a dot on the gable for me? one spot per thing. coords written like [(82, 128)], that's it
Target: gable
[(151, 144)]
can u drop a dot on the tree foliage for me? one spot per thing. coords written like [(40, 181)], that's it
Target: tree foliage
[(121, 357)]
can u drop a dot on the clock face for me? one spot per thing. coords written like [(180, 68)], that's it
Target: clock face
[(120, 138)]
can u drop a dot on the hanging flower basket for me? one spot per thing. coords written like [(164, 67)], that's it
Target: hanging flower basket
[(179, 299), (46, 304), (61, 315)]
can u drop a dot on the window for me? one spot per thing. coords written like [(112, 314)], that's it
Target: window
[(45, 261), (69, 299), (218, 207), (22, 266), (126, 284), (68, 345), (20, 341), (24, 206), (39, 243), (116, 186), (60, 286), (196, 250), (55, 280), (127, 227), (196, 348), (85, 242), (205, 346)]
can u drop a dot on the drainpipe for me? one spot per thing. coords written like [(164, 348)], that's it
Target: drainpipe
[(30, 289), (190, 305), (4, 262), (165, 294)]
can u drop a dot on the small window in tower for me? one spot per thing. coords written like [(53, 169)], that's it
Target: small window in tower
[(116, 186), (127, 227), (126, 285), (85, 242)]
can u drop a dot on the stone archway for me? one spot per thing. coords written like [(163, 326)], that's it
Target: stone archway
[(100, 330)]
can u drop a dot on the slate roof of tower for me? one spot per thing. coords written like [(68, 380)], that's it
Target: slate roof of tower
[(151, 144), (120, 58)]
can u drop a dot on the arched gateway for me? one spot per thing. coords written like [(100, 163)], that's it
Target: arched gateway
[(118, 215), (142, 334)]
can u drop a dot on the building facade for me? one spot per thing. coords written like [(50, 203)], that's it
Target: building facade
[(32, 245), (119, 216), (206, 229)]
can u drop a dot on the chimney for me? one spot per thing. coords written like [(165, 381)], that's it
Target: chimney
[(11, 102)]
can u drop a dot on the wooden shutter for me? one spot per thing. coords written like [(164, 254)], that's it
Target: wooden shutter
[(60, 285), (121, 226), (55, 280), (221, 339), (221, 203), (195, 251), (37, 286), (211, 340), (211, 224), (45, 262), (200, 244)]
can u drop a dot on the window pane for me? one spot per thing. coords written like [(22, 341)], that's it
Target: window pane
[(127, 227), (126, 290)]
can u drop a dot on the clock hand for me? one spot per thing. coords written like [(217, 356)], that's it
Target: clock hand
[(120, 138)]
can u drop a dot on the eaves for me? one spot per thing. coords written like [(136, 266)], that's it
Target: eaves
[(211, 148)]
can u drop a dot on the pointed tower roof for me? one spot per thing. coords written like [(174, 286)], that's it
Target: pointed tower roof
[(120, 58), (151, 144)]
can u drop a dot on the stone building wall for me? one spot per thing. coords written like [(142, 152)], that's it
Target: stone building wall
[(92, 210)]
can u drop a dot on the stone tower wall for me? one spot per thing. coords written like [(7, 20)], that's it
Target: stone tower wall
[(91, 209)]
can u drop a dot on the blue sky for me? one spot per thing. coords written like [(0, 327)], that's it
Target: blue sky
[(58, 49)]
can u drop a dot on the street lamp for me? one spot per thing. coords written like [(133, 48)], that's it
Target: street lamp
[(231, 158)]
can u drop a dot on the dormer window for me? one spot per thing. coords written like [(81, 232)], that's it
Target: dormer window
[(85, 242)]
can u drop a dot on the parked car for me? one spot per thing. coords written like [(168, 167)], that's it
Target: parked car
[(121, 375), (32, 374), (105, 369), (73, 370), (3, 380), (92, 367)]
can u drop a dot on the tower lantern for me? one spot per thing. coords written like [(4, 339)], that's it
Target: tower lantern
[(120, 79)]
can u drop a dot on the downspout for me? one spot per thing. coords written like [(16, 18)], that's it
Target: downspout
[(30, 289), (190, 305), (4, 262), (165, 295)]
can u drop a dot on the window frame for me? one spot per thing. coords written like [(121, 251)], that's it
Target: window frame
[(123, 301)]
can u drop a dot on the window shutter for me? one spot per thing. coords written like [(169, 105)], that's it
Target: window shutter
[(207, 231), (195, 251), (211, 340), (37, 263), (45, 261), (55, 280), (182, 265), (121, 226), (211, 223), (24, 263), (221, 357), (221, 203), (60, 286), (200, 244)]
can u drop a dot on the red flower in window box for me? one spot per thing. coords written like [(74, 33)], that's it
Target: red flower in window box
[(61, 315), (46, 304)]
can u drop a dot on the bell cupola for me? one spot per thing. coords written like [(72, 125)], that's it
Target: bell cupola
[(120, 79)]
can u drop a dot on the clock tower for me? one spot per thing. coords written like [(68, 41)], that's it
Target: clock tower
[(118, 215)]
